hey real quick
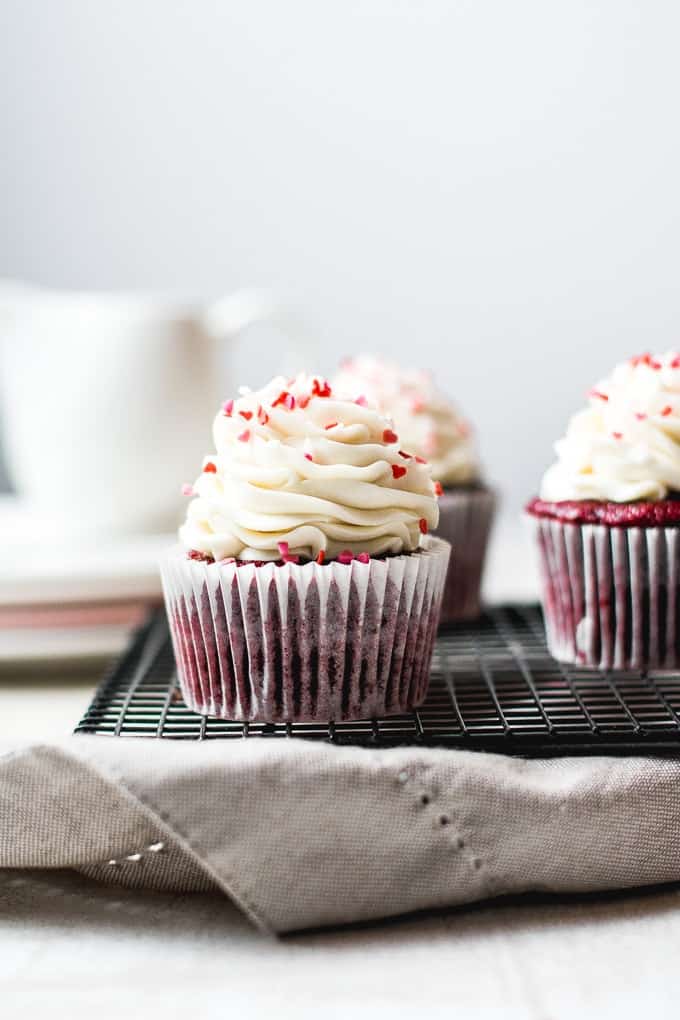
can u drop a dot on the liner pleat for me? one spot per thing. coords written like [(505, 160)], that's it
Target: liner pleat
[(305, 642), (465, 520), (609, 594)]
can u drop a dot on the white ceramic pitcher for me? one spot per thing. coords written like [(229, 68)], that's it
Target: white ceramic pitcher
[(107, 400)]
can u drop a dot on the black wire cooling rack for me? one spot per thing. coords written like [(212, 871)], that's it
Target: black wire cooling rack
[(494, 687)]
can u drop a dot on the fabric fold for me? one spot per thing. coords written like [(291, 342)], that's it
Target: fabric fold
[(300, 834)]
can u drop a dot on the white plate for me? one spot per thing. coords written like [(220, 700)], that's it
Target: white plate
[(38, 567)]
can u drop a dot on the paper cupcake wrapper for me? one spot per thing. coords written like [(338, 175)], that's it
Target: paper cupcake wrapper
[(609, 594), (305, 642), (465, 520)]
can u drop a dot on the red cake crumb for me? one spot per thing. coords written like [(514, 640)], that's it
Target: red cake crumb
[(641, 514)]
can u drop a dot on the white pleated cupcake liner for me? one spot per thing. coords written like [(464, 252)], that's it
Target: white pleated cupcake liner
[(304, 642), (465, 519), (609, 593)]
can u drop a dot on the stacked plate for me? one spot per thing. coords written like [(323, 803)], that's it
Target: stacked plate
[(64, 600)]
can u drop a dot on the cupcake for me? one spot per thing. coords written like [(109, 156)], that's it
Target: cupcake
[(306, 586), (607, 523), (430, 428)]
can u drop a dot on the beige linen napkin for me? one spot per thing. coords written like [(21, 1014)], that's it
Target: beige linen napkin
[(303, 834)]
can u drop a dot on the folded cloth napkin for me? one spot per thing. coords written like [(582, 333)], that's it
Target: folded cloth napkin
[(303, 834)]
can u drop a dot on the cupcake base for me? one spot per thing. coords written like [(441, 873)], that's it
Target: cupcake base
[(610, 594), (305, 643), (465, 519)]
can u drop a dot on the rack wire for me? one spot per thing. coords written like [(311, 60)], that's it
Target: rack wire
[(494, 687)]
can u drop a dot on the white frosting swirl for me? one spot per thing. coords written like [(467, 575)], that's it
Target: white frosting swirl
[(426, 420), (625, 445), (298, 465)]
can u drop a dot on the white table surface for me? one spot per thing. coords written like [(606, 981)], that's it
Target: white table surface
[(72, 948)]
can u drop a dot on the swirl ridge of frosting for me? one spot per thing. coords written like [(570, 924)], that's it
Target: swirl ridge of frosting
[(625, 445), (301, 471), (425, 418)]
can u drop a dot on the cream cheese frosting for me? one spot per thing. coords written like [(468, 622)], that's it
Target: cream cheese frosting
[(425, 418), (625, 445), (300, 470)]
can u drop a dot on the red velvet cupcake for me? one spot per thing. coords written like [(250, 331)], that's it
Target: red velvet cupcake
[(430, 428), (607, 525), (307, 587)]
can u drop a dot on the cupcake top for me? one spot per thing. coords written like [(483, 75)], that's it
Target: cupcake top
[(301, 471), (425, 418), (625, 445)]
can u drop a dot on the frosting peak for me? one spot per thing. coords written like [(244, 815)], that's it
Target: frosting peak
[(301, 471), (625, 445), (425, 419)]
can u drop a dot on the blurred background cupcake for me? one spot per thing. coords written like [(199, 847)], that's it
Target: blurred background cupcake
[(607, 523), (430, 428), (307, 586)]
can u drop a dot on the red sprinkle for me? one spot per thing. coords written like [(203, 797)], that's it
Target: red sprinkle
[(303, 401), (406, 456), (666, 411), (320, 389), (246, 414), (283, 548), (210, 468), (346, 556), (675, 363), (438, 489), (308, 456), (422, 524), (331, 425), (598, 395), (656, 365), (361, 401), (420, 460), (363, 557), (228, 408), (397, 471), (262, 416), (389, 436), (200, 557), (281, 399), (617, 435), (244, 437), (321, 557)]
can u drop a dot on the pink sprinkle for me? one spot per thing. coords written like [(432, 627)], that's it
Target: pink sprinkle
[(666, 411), (187, 490), (617, 435), (283, 549), (420, 460), (640, 415), (417, 406), (289, 402), (228, 408), (303, 401), (598, 395), (675, 363), (363, 557), (346, 556), (308, 456), (361, 401), (244, 437)]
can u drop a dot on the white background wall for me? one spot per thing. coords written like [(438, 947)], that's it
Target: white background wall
[(490, 188)]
